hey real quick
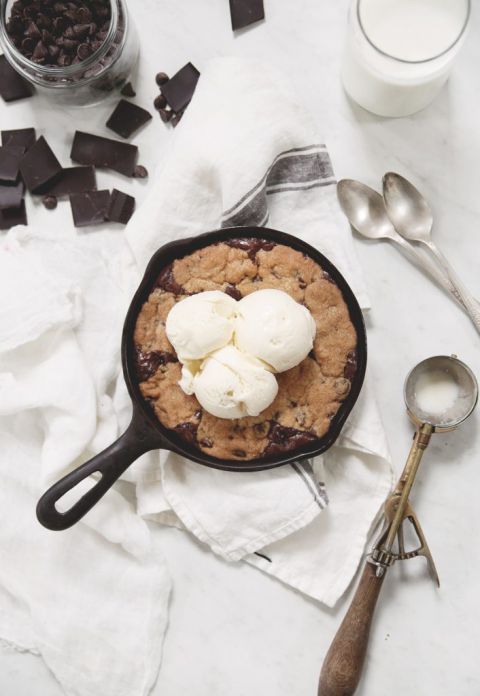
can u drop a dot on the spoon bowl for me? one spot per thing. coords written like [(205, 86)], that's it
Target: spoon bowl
[(365, 210), (408, 210)]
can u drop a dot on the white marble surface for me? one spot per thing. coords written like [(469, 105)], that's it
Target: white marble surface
[(232, 630)]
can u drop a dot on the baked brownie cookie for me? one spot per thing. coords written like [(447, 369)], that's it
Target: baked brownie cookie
[(309, 394)]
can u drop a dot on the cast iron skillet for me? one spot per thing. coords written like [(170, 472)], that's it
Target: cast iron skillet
[(146, 433)]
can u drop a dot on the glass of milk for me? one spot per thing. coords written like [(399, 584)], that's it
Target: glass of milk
[(399, 53)]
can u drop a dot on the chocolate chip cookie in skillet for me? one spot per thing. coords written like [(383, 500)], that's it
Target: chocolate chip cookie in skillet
[(313, 400), (309, 394)]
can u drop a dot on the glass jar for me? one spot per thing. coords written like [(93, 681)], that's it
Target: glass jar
[(398, 55), (89, 81)]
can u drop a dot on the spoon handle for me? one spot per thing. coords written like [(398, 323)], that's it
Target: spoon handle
[(459, 290), (440, 277)]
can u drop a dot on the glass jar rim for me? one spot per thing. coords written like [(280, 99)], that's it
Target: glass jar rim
[(423, 60), (68, 70)]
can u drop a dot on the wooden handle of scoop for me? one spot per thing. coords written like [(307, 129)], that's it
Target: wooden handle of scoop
[(343, 664)]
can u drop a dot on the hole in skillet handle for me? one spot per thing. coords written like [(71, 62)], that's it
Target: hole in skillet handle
[(110, 464)]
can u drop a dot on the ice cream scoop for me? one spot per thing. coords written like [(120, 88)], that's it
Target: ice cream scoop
[(200, 324), (274, 328), (232, 384)]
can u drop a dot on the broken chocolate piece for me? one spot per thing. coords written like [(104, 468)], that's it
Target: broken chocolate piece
[(165, 114), (39, 165), (104, 152), (127, 90), (12, 85), (11, 196), (178, 91), (21, 137), (9, 217), (90, 207), (246, 12), (121, 207), (127, 118), (10, 158), (71, 180)]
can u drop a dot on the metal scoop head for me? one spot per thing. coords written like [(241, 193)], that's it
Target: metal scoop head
[(441, 391)]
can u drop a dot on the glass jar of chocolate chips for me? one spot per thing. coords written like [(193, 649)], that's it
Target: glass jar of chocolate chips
[(75, 52)]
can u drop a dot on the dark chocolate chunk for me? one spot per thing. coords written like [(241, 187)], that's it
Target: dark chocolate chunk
[(246, 12), (148, 363), (351, 365), (161, 78), (90, 207), (251, 245), (39, 165), (10, 158), (71, 180), (176, 118), (233, 291), (127, 90), (282, 439), (104, 152), (9, 217), (21, 137), (140, 172), (167, 282), (188, 431), (179, 90), (121, 207), (50, 202), (12, 85), (127, 118), (11, 196)]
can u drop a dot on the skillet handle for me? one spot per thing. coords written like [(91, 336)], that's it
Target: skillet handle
[(110, 464)]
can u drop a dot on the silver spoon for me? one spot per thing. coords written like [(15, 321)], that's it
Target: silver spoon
[(365, 210), (413, 219)]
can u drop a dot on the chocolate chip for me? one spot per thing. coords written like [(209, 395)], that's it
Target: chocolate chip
[(206, 442), (246, 12), (127, 118), (49, 202), (39, 165), (104, 152), (140, 172), (12, 85), (147, 363), (83, 51), (166, 281), (127, 90), (165, 115), (32, 31), (161, 78), (121, 207), (9, 217), (188, 431), (233, 291), (160, 102), (90, 207), (40, 52), (179, 90)]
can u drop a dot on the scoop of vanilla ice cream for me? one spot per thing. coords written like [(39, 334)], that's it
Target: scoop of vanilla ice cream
[(231, 384), (200, 324), (274, 328)]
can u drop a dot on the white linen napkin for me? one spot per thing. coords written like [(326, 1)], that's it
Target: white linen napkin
[(92, 601), (246, 153)]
